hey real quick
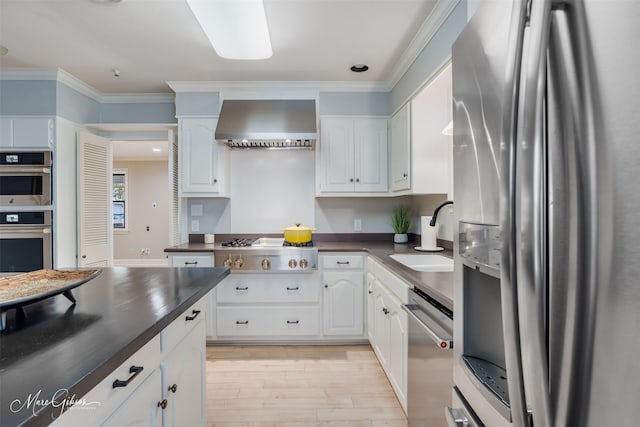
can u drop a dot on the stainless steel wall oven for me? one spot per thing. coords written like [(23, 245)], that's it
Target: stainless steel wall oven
[(25, 241), (25, 178)]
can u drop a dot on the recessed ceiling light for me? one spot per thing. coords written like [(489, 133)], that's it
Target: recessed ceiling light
[(116, 72), (3, 50), (156, 150), (359, 68)]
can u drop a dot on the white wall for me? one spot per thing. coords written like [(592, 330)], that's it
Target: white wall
[(147, 182)]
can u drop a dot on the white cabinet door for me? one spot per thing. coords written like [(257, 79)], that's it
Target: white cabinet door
[(6, 132), (33, 133), (381, 327), (343, 303), (370, 306), (400, 151), (431, 112), (397, 348), (353, 155), (27, 132), (337, 155), (201, 158), (141, 409), (184, 381), (370, 148)]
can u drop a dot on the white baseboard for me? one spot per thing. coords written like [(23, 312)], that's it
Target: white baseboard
[(133, 262)]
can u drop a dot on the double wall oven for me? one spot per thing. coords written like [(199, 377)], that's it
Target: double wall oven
[(25, 211)]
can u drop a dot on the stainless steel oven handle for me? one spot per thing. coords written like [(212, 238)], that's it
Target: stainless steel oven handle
[(443, 343), (24, 170), (13, 230), (456, 417)]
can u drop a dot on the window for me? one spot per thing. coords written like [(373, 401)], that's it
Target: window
[(119, 199)]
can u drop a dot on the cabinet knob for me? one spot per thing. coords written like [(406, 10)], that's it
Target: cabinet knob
[(385, 310), (357, 179), (351, 180), (404, 175), (370, 292), (326, 286), (215, 180), (173, 388), (163, 404)]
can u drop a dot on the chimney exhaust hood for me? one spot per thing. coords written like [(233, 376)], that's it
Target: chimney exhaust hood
[(268, 123)]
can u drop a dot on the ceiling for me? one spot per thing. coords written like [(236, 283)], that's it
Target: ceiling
[(139, 150), (154, 41)]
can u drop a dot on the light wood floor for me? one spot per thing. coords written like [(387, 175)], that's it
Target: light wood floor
[(299, 386)]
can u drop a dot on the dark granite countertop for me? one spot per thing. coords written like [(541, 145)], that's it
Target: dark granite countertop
[(74, 347), (438, 285)]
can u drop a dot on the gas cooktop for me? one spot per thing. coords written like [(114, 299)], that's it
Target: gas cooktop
[(266, 254)]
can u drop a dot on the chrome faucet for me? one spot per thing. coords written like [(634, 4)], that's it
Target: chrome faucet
[(435, 213)]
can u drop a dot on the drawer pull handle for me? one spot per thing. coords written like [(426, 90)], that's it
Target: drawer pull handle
[(238, 288), (342, 262), (163, 404), (191, 263), (195, 314), (134, 370), (242, 322), (293, 322), (173, 388), (297, 288)]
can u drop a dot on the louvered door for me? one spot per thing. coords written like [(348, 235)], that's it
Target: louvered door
[(174, 200), (95, 223)]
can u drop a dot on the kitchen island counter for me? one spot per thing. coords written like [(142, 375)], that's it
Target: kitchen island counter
[(438, 285), (60, 346)]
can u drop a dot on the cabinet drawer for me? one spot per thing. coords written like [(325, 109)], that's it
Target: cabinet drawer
[(190, 260), (263, 288), (248, 321), (111, 398), (342, 262), (180, 328)]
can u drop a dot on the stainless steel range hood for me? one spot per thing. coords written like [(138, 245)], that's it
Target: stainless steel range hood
[(268, 123)]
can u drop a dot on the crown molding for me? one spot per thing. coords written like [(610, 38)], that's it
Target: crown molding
[(428, 29), (325, 86), (78, 85), (138, 98)]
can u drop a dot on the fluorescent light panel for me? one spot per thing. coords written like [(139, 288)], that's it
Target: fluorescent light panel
[(237, 29)]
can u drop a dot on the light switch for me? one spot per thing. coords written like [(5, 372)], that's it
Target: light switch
[(357, 224)]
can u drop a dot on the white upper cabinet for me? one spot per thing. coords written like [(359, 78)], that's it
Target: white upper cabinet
[(353, 155), (401, 149), (431, 112), (27, 133), (203, 161)]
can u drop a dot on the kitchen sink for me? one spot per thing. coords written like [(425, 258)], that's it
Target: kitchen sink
[(424, 262)]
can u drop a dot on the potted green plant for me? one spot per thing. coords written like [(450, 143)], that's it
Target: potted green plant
[(400, 221)]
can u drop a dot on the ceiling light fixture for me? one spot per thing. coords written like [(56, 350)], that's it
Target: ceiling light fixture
[(156, 150), (237, 29), (359, 68)]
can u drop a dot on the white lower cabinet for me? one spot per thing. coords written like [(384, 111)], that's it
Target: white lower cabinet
[(343, 294), (145, 394), (370, 305), (388, 334), (183, 381), (343, 303)]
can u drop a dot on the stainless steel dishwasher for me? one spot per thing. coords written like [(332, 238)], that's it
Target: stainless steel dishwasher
[(430, 364)]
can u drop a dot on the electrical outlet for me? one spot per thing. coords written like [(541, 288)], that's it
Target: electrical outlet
[(195, 225), (357, 224)]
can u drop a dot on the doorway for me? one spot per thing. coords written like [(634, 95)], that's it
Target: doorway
[(141, 202)]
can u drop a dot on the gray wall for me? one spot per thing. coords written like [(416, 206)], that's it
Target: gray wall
[(357, 103), (431, 58), (27, 97), (197, 104), (138, 113)]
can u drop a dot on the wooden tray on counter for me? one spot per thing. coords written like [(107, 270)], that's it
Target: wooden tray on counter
[(27, 288)]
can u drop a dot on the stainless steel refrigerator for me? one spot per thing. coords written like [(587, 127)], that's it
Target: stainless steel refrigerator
[(547, 206)]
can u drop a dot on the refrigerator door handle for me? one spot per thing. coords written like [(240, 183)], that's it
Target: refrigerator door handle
[(530, 214)]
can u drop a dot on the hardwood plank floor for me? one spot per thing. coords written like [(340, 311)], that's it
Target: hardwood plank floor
[(299, 386)]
